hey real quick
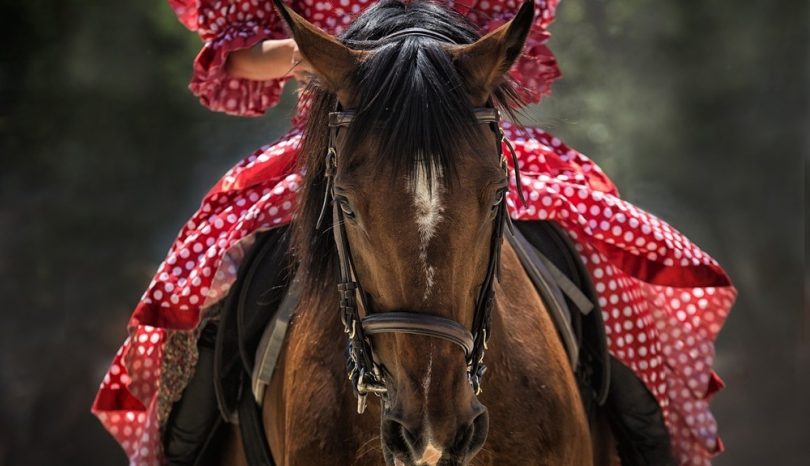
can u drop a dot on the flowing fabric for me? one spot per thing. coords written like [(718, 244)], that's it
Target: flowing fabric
[(663, 299)]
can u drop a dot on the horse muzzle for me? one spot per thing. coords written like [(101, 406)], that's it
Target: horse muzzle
[(420, 444)]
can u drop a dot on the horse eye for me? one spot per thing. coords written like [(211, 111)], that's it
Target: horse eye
[(344, 206), (499, 195)]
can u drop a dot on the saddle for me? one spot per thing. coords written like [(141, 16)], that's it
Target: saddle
[(255, 316)]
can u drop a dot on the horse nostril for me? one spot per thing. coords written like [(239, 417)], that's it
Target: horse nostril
[(398, 438), (472, 437), (480, 430), (410, 439), (428, 447)]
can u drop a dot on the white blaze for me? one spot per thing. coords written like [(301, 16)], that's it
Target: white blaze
[(428, 375), (431, 456), (427, 201), (428, 207)]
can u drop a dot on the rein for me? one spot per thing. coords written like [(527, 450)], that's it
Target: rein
[(364, 370)]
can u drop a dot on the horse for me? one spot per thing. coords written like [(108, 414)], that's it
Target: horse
[(404, 194)]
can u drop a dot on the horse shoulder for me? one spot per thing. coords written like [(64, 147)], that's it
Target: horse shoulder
[(310, 412), (530, 390)]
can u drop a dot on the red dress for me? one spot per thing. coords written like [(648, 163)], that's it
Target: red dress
[(663, 299)]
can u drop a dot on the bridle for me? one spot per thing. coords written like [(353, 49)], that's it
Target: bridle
[(364, 370)]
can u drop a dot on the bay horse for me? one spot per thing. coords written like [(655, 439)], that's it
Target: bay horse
[(404, 193)]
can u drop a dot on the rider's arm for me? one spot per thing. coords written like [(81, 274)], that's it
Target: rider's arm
[(269, 59)]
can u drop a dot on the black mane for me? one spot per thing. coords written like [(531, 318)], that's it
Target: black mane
[(410, 92)]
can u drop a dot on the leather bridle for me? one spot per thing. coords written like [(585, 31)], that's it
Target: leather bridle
[(365, 372)]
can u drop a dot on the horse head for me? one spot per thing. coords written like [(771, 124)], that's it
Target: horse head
[(404, 166)]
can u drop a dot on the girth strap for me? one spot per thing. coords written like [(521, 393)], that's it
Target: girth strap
[(270, 345), (251, 427), (420, 324), (565, 284), (553, 298)]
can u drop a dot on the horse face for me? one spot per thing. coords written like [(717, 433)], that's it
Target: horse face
[(421, 245), (420, 242)]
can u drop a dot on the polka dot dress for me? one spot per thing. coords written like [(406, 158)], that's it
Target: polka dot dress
[(663, 299)]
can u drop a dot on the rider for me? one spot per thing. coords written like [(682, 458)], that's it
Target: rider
[(662, 298)]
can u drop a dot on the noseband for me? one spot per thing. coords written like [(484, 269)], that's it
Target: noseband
[(364, 370)]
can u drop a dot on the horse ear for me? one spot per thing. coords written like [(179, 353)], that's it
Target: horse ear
[(332, 61), (484, 64)]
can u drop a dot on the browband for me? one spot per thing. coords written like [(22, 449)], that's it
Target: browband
[(344, 118)]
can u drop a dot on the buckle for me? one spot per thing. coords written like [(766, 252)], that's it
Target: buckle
[(374, 386)]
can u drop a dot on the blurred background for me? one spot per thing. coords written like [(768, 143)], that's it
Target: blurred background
[(697, 109)]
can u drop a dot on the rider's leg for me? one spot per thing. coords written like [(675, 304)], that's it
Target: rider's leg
[(194, 416), (641, 435), (263, 277)]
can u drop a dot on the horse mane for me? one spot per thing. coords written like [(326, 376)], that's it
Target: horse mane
[(410, 91)]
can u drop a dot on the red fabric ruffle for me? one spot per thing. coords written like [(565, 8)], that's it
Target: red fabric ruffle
[(187, 11), (235, 96), (228, 25), (536, 69)]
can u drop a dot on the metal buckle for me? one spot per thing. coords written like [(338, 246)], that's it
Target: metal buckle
[(331, 162), (363, 388), (362, 392), (475, 379)]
